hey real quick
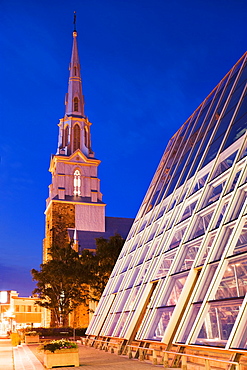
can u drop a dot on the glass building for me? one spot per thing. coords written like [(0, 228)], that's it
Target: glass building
[(181, 278)]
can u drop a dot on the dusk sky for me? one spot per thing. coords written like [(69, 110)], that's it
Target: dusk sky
[(146, 66)]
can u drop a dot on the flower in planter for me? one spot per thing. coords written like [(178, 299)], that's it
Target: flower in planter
[(53, 345), (29, 333)]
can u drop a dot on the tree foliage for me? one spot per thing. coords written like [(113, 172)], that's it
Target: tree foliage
[(61, 281), (99, 265), (68, 279)]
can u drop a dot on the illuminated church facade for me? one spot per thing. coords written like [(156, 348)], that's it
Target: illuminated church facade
[(180, 282), (75, 200)]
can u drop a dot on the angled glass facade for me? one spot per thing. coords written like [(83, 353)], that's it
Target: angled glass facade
[(181, 277)]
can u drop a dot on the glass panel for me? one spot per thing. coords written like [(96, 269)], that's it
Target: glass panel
[(213, 194), (121, 324), (234, 280), (188, 256), (159, 323), (221, 215), (131, 301), (133, 277), (112, 326), (188, 211), (218, 323), (224, 164), (123, 300), (118, 283), (176, 285), (242, 337), (200, 182), (177, 237), (164, 265), (207, 247), (189, 323), (201, 224), (142, 274), (241, 245), (204, 285), (241, 198), (221, 244), (233, 183)]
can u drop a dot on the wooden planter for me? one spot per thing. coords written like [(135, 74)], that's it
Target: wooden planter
[(31, 338), (61, 357)]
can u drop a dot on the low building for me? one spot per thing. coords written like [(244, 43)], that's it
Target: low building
[(18, 312)]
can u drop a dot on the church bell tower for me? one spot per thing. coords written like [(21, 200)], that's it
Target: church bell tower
[(75, 200)]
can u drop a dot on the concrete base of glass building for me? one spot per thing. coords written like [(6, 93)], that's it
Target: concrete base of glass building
[(178, 290)]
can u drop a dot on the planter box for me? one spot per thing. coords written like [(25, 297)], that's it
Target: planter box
[(61, 357), (31, 338)]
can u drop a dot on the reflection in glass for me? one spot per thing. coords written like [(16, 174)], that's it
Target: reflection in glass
[(188, 211), (220, 216), (177, 237), (121, 324), (241, 198), (207, 248), (159, 324), (176, 285), (188, 256), (164, 266), (200, 182), (189, 322), (213, 194), (201, 225), (218, 323), (234, 280), (224, 164), (241, 245), (221, 244)]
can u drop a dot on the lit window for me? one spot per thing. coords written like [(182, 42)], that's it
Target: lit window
[(77, 183), (75, 104)]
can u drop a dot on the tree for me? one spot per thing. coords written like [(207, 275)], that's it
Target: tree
[(68, 279), (61, 283), (99, 265)]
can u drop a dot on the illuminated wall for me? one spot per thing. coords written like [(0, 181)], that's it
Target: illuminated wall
[(182, 274)]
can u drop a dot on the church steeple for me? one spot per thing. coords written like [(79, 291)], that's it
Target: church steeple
[(74, 98), (74, 128)]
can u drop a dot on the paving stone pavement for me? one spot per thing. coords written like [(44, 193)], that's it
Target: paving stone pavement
[(94, 359)]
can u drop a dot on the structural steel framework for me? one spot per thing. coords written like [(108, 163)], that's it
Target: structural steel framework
[(181, 277)]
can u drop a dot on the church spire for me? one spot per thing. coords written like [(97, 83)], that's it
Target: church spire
[(74, 127), (74, 98)]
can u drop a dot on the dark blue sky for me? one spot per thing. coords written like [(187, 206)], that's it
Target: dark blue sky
[(146, 66)]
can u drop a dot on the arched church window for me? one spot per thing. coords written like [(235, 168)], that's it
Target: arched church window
[(76, 137), (66, 135), (77, 182), (86, 137), (75, 71), (76, 101)]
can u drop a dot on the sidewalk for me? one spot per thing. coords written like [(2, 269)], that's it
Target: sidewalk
[(94, 359), (6, 355), (27, 357)]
